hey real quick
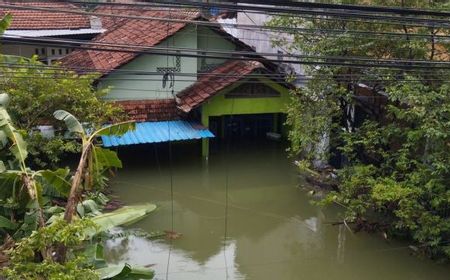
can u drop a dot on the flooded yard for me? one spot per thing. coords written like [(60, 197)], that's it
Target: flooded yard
[(272, 229)]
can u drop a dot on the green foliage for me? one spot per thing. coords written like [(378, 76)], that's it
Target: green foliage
[(86, 259), (33, 100), (23, 262), (398, 160), (4, 23), (48, 152)]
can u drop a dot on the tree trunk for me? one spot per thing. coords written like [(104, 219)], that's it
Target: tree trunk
[(72, 201)]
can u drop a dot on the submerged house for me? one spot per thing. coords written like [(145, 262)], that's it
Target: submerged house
[(159, 68)]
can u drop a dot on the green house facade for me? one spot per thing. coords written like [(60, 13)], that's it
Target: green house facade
[(199, 89)]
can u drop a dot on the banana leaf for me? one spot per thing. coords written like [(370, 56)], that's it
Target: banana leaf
[(125, 272), (72, 123), (123, 216), (56, 183), (105, 158), (116, 129)]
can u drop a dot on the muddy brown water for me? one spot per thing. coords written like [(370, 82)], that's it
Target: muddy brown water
[(273, 231)]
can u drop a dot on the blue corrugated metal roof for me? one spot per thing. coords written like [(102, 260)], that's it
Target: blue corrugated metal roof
[(156, 132)]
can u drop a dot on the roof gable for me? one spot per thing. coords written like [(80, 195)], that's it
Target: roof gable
[(142, 32), (211, 83)]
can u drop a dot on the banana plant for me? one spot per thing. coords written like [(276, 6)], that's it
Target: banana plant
[(93, 158), (16, 177)]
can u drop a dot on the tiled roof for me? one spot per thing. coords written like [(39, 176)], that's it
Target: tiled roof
[(142, 32), (38, 20), (208, 84), (150, 110)]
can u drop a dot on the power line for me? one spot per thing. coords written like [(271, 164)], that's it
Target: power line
[(339, 11), (315, 5), (11, 66), (196, 53), (413, 21)]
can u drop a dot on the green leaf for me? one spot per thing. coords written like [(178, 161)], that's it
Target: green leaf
[(19, 146), (106, 158), (30, 224), (4, 22), (2, 166), (91, 206), (55, 183), (71, 121), (94, 254), (115, 129), (6, 223), (125, 271), (123, 216)]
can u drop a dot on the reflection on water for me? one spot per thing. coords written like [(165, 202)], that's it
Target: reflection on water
[(274, 232)]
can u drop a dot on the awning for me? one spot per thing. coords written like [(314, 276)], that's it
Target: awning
[(156, 132)]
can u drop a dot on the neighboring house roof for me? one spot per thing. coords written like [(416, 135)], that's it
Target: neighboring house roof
[(209, 84), (40, 20), (142, 32), (53, 32), (150, 110)]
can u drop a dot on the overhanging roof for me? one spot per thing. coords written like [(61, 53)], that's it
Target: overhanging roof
[(157, 132), (53, 32)]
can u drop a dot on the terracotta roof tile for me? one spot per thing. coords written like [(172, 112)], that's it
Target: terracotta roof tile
[(150, 110), (38, 20), (142, 32), (208, 84)]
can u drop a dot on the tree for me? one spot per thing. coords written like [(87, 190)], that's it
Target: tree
[(395, 173), (37, 90)]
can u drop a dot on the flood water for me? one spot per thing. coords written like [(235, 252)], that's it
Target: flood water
[(272, 229)]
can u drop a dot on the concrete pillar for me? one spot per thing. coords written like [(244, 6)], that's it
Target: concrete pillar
[(205, 141)]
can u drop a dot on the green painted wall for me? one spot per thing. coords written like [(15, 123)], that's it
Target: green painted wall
[(210, 40), (219, 105), (150, 86)]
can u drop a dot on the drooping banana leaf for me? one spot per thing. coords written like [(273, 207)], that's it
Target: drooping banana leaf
[(116, 129), (72, 123), (125, 271), (105, 158), (123, 216)]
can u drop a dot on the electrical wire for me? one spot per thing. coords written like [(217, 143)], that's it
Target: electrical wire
[(139, 48), (413, 21), (301, 59), (283, 3), (337, 11)]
